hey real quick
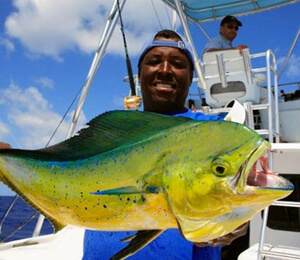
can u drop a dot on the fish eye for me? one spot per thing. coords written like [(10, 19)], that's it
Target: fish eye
[(220, 167)]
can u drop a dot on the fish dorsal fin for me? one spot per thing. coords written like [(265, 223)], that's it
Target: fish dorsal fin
[(106, 132)]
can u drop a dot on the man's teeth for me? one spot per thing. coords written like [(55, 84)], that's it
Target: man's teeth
[(164, 85)]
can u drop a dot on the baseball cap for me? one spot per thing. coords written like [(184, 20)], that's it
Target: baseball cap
[(230, 18), (183, 45)]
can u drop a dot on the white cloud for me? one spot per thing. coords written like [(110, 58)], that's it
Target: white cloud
[(7, 44), (45, 82), (280, 60), (292, 69), (51, 27), (29, 112), (4, 131)]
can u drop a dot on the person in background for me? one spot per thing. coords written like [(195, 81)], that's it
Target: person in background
[(228, 31), (165, 72), (283, 95)]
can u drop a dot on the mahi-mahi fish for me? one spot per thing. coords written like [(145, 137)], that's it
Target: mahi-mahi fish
[(131, 170)]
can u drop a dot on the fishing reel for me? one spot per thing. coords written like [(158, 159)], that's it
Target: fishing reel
[(132, 102)]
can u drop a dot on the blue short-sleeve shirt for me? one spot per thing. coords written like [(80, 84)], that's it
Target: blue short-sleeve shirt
[(218, 42)]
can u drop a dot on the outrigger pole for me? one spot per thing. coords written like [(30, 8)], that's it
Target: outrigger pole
[(109, 28)]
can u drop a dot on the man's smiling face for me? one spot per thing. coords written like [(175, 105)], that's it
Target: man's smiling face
[(165, 75)]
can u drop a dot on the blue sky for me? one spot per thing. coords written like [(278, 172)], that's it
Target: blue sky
[(46, 48)]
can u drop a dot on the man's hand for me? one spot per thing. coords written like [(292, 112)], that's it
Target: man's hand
[(227, 239), (241, 47)]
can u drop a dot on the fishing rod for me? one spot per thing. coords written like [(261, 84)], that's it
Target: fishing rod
[(132, 101), (128, 63)]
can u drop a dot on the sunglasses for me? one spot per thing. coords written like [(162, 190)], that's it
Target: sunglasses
[(236, 28)]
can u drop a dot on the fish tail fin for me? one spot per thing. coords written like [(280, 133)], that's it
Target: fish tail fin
[(56, 225)]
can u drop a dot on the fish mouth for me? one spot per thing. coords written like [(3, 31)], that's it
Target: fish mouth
[(255, 173)]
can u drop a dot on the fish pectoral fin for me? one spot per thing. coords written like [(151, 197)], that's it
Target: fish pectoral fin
[(201, 230), (137, 242), (126, 190)]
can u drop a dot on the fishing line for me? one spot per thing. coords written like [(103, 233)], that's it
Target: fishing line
[(128, 63), (157, 17), (64, 116), (10, 233), (7, 211), (169, 19)]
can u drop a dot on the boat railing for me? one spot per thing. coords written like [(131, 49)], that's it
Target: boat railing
[(237, 67), (264, 251)]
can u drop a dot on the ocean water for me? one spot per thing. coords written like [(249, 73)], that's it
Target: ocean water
[(19, 213)]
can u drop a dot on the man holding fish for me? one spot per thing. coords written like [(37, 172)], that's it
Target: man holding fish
[(165, 71), (188, 183)]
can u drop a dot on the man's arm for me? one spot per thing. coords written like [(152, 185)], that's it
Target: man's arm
[(239, 47)]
